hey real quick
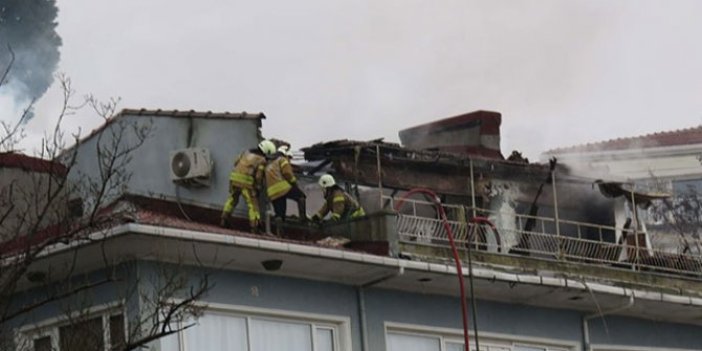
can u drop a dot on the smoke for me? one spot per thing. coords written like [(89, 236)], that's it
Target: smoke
[(27, 29)]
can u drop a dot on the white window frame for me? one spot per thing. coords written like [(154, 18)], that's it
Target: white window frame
[(25, 335), (605, 347), (505, 340), (340, 325)]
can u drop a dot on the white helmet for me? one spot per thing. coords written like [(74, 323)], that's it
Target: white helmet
[(326, 181), (285, 150), (267, 147)]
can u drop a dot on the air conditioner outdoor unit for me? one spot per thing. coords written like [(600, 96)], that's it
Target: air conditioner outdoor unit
[(191, 166)]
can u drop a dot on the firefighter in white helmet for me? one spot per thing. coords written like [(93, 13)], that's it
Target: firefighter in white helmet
[(337, 201), (281, 185), (246, 179)]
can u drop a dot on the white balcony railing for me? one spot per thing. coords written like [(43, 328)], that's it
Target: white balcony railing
[(586, 243)]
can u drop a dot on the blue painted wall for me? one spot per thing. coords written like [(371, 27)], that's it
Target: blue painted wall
[(150, 163), (309, 296), (383, 305)]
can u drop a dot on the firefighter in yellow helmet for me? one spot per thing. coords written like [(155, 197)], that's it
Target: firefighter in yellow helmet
[(245, 179), (281, 185), (337, 201)]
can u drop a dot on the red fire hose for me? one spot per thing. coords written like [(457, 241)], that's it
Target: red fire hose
[(456, 258)]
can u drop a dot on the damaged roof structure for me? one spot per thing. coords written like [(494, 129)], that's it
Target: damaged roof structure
[(556, 260)]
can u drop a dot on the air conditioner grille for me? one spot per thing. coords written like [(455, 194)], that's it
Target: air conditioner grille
[(180, 164)]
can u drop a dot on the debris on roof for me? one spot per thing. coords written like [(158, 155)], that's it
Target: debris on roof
[(405, 168)]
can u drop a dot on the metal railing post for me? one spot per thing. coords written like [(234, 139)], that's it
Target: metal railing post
[(380, 177), (472, 186), (555, 212), (635, 225)]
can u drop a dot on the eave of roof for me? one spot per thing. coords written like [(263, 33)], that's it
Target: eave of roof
[(32, 164), (405, 272), (189, 114)]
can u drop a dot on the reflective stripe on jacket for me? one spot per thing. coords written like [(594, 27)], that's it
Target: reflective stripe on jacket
[(341, 205), (279, 177), (248, 170)]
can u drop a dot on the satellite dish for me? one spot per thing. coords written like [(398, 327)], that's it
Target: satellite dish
[(180, 164)]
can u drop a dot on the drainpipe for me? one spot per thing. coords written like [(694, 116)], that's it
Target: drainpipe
[(586, 330), (362, 304)]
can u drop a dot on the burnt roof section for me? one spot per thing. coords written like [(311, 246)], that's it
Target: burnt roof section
[(687, 136), (404, 168), (32, 164), (394, 151)]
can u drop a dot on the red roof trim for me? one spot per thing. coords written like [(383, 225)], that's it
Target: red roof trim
[(32, 164)]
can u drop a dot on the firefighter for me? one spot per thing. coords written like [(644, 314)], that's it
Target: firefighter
[(245, 179), (337, 201), (282, 185)]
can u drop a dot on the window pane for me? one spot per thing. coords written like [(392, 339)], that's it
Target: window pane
[(170, 343), (529, 348), (86, 335), (276, 336), (405, 342), (117, 332), (214, 332), (450, 346), (42, 344), (325, 340)]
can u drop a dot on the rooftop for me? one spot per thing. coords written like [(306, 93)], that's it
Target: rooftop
[(687, 136)]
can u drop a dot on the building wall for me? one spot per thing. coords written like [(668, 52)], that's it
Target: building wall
[(434, 311), (386, 308), (23, 196), (150, 163), (116, 296)]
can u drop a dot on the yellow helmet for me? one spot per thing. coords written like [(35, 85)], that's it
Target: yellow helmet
[(267, 147), (326, 181)]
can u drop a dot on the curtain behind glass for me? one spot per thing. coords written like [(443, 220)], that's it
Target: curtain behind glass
[(404, 342), (215, 332), (324, 340), (277, 336)]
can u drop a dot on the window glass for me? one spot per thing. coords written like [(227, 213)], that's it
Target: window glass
[(86, 335), (117, 332), (406, 342), (269, 335), (528, 348), (42, 344), (170, 343), (451, 346), (324, 340), (214, 332)]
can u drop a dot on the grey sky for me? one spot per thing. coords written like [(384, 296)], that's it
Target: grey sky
[(560, 72)]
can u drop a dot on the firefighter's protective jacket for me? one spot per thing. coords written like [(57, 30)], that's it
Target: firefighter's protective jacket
[(341, 205), (248, 170), (279, 177)]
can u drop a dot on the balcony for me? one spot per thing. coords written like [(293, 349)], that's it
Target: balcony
[(544, 250)]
